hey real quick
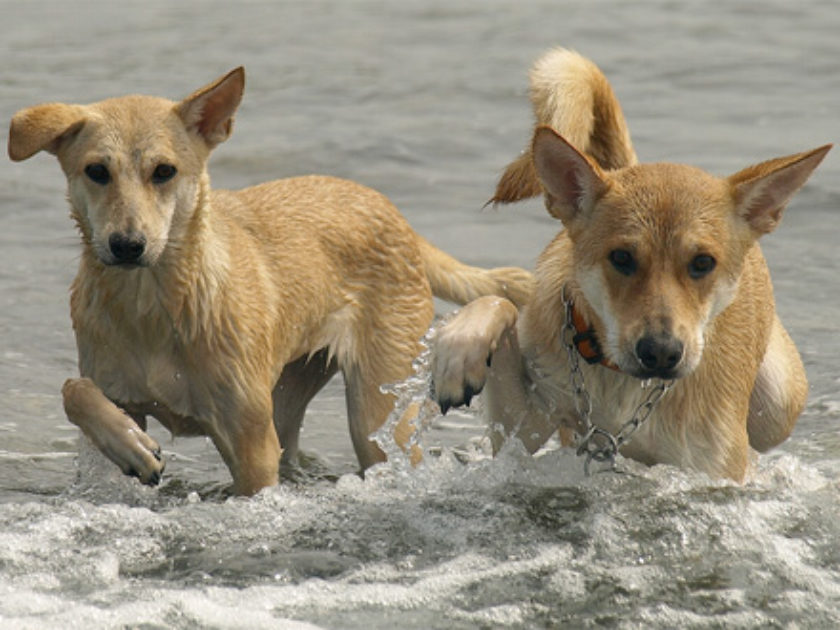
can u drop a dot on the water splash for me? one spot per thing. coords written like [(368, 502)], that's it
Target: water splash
[(411, 393)]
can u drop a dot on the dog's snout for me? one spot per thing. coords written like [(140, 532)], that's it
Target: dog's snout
[(659, 354), (127, 247)]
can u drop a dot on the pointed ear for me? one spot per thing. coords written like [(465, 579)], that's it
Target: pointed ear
[(42, 128), (763, 190), (209, 111), (571, 182)]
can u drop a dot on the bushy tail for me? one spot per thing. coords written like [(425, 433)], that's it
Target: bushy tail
[(454, 281), (570, 94)]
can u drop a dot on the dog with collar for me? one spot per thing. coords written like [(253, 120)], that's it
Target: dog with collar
[(657, 276), (222, 313)]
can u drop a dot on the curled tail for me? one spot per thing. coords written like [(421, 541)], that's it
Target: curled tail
[(454, 281), (570, 94)]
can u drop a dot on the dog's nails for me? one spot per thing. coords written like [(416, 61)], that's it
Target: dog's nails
[(489, 359), (154, 479), (158, 454), (444, 406), (468, 394)]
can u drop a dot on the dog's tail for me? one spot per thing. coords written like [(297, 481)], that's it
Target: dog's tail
[(570, 94), (454, 281)]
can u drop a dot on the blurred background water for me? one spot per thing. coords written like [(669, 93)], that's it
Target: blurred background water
[(425, 101)]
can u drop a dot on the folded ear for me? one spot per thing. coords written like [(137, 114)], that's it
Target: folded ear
[(763, 190), (209, 111), (42, 128), (572, 183)]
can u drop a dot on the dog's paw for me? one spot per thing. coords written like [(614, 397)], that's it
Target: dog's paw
[(136, 454), (463, 349), (143, 459), (113, 431)]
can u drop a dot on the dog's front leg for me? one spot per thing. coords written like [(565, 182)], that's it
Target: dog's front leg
[(479, 349), (508, 399), (113, 431), (247, 441), (463, 349)]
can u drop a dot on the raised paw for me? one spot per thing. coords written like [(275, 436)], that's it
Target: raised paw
[(463, 350), (144, 461), (113, 431)]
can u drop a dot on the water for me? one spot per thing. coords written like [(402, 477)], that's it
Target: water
[(426, 102)]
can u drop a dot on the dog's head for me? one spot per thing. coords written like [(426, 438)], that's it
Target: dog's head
[(659, 248), (135, 165)]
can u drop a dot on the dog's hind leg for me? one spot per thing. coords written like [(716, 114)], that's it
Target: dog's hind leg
[(113, 431), (392, 341), (367, 410), (779, 393), (298, 384)]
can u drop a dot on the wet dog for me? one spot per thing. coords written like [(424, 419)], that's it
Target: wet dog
[(657, 275), (222, 313)]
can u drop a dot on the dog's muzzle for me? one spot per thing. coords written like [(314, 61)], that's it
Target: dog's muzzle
[(127, 248), (659, 356)]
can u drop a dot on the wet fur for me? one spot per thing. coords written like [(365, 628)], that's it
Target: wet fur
[(739, 380), (243, 303)]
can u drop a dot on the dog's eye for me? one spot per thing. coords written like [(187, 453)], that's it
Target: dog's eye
[(163, 173), (623, 261), (98, 173), (701, 265)]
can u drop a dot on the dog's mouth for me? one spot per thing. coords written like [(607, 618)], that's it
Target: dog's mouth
[(664, 374), (108, 260), (128, 266)]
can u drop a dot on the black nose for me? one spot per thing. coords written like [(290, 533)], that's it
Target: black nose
[(127, 247), (659, 354)]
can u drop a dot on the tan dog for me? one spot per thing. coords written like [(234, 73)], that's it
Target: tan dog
[(216, 311), (657, 275)]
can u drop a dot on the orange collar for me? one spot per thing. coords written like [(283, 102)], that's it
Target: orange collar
[(587, 343)]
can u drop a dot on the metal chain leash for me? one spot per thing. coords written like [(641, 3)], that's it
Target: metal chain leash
[(598, 444)]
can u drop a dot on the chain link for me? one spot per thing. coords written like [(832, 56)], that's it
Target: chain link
[(595, 443)]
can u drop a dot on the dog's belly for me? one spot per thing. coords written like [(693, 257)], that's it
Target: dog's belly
[(184, 426)]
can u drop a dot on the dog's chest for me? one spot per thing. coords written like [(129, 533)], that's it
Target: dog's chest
[(128, 344), (148, 373), (654, 430), (614, 400)]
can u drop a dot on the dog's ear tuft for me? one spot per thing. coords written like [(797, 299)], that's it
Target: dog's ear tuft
[(209, 111), (763, 190), (571, 182), (42, 128)]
